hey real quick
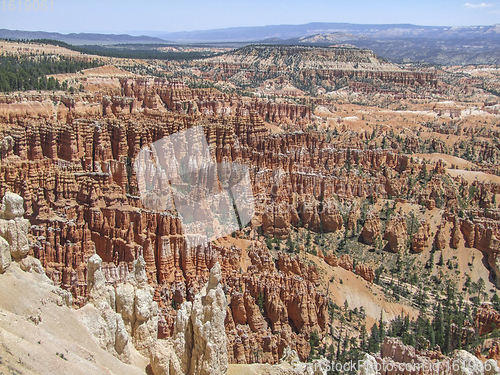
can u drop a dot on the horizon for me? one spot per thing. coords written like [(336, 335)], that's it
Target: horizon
[(158, 34), (154, 18)]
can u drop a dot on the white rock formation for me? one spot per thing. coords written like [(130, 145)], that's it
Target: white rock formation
[(5, 257), (134, 301), (199, 343), (491, 367), (14, 244), (100, 315), (115, 316), (30, 264), (290, 365), (12, 206), (368, 366), (290, 356), (164, 359), (13, 227), (464, 363), (209, 354)]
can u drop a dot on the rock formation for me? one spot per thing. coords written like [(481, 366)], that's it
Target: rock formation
[(421, 238), (14, 244), (114, 315), (127, 260), (345, 261), (317, 63), (100, 316), (464, 363), (371, 228), (487, 319), (440, 238), (396, 358), (13, 227), (199, 342), (331, 259), (368, 366), (365, 272), (5, 257), (396, 233)]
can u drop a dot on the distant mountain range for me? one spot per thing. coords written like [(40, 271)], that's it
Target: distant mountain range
[(284, 32), (399, 43), (80, 38), (281, 33)]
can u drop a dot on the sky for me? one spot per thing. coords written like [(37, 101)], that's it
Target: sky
[(140, 16)]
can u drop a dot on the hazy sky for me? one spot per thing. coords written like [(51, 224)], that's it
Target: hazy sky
[(156, 15)]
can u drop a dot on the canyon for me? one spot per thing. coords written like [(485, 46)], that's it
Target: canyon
[(353, 193)]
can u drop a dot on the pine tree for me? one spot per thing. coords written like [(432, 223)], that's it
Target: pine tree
[(431, 334), (447, 337), (374, 340), (381, 326), (495, 300), (438, 326), (362, 336)]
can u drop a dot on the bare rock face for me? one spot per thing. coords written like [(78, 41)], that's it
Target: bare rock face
[(393, 348), (291, 305), (494, 262), (331, 259), (239, 313), (30, 264), (164, 360), (396, 233), (365, 272), (440, 239), (255, 318), (396, 356), (128, 310), (294, 367), (468, 230), (12, 206), (487, 319), (421, 238), (13, 227), (100, 316), (465, 363), (199, 344), (5, 257), (331, 217), (209, 354), (368, 365), (491, 367), (455, 234), (134, 301), (345, 262), (371, 229)]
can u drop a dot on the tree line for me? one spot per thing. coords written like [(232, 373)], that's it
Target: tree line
[(20, 73), (128, 51)]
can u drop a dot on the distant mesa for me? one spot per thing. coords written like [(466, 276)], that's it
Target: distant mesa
[(80, 38)]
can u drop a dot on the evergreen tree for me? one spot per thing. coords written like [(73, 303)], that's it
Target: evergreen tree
[(381, 326), (447, 338), (495, 300), (362, 336), (431, 335), (438, 326), (374, 340)]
